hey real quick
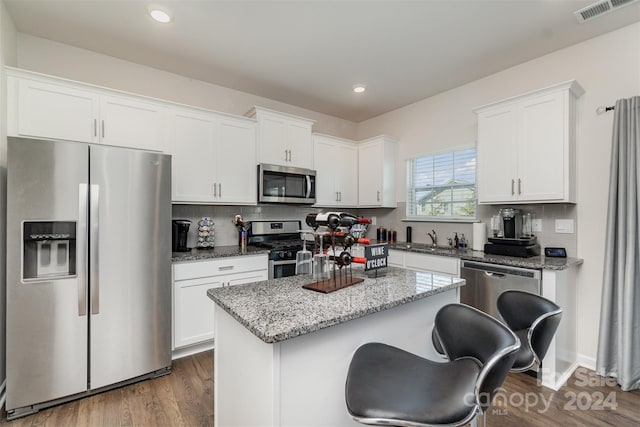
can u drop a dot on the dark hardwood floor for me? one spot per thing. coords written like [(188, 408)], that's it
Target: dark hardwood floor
[(185, 398)]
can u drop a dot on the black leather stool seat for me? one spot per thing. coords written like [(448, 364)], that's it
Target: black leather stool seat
[(525, 357), (534, 320), (388, 383)]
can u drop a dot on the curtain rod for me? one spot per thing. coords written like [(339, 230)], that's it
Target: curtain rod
[(603, 109)]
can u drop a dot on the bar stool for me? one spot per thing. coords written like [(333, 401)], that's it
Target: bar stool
[(534, 320), (389, 386)]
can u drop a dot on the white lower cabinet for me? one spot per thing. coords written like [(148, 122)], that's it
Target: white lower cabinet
[(424, 262), (193, 320)]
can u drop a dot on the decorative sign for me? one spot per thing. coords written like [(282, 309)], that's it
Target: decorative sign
[(376, 256)]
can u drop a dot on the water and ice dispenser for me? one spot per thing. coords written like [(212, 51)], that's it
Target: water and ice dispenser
[(49, 250)]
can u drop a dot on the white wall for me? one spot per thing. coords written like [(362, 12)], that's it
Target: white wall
[(608, 67), (8, 57), (48, 57)]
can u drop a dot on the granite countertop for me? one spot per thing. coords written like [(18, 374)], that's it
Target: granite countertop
[(217, 252), (536, 262), (280, 309)]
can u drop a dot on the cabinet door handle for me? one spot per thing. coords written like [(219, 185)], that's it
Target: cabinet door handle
[(225, 268), (215, 190), (339, 196), (219, 189), (519, 186), (513, 183), (95, 127), (285, 155), (102, 128), (289, 155), (378, 196)]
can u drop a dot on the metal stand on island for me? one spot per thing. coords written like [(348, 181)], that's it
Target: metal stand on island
[(340, 275)]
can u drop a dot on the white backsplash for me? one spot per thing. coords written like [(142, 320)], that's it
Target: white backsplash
[(226, 233)]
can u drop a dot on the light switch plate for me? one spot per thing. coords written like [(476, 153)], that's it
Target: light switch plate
[(536, 225), (564, 226)]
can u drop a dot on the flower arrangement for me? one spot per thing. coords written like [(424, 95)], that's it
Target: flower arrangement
[(240, 224)]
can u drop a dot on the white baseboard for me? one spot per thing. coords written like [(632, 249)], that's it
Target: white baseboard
[(179, 353), (562, 380), (3, 393), (587, 362)]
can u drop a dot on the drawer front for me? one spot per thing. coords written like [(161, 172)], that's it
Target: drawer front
[(396, 258), (227, 265), (442, 264)]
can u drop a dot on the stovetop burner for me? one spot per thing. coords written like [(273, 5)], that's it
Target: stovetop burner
[(281, 244)]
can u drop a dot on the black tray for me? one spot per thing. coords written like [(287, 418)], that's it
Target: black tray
[(528, 241)]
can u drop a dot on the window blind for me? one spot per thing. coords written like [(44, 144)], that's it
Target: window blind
[(442, 186)]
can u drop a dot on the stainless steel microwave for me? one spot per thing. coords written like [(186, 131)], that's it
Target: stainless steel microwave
[(284, 184)]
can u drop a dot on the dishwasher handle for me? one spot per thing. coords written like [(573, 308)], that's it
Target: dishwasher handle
[(497, 269), (494, 274)]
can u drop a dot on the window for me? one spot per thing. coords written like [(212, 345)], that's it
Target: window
[(442, 186)]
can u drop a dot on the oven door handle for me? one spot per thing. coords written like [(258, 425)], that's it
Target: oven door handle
[(289, 261)]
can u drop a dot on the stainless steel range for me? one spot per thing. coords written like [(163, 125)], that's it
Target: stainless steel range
[(283, 240)]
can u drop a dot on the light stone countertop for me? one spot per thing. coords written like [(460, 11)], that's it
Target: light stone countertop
[(217, 252), (280, 309), (536, 262)]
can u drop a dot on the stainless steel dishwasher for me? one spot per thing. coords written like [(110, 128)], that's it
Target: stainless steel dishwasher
[(485, 282)]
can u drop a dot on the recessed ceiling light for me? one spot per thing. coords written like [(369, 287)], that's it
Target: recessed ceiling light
[(160, 16), (359, 88)]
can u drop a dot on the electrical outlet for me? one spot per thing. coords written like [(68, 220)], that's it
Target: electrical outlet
[(374, 220), (564, 226), (536, 225)]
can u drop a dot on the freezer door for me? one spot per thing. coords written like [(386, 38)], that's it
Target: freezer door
[(46, 311), (130, 263)]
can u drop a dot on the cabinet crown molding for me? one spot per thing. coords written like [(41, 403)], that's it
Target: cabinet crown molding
[(572, 85), (378, 138), (253, 113)]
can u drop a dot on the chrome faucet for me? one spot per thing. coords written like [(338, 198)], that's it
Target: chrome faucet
[(434, 238)]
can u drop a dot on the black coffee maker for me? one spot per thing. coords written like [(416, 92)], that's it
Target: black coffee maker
[(180, 229), (509, 239)]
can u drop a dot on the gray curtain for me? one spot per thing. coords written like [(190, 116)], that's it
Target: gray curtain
[(619, 339)]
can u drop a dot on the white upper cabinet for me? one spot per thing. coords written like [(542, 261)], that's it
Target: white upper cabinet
[(526, 147), (46, 110), (193, 150), (237, 163), (213, 158), (131, 123), (377, 159), (283, 139), (47, 107), (336, 165)]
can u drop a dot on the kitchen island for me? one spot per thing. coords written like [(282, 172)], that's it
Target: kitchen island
[(282, 352)]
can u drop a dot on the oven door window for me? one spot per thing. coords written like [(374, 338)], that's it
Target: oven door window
[(284, 270)]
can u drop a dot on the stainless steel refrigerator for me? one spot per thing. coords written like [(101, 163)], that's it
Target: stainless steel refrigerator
[(88, 270)]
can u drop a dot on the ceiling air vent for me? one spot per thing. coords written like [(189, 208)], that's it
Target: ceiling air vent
[(600, 8)]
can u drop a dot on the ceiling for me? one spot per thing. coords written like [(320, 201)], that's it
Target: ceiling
[(311, 53)]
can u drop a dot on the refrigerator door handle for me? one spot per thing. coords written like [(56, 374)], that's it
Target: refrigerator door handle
[(82, 249), (94, 281)]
